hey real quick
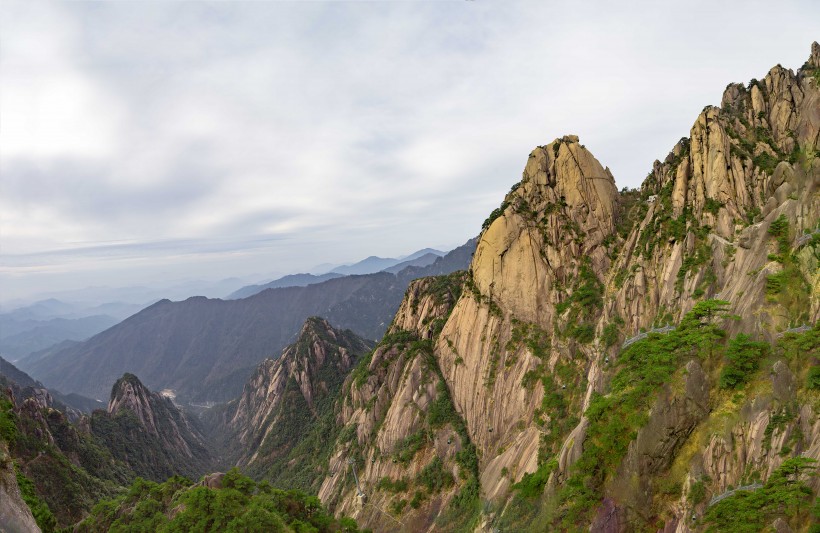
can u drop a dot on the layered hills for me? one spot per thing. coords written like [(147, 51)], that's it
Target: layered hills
[(205, 349), (609, 361)]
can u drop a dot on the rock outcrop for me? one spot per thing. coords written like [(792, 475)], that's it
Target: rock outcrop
[(565, 271), (148, 432), (286, 396), (15, 516)]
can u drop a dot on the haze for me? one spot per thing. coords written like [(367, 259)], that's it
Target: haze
[(142, 143)]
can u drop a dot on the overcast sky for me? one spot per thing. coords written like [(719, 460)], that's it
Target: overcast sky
[(148, 142)]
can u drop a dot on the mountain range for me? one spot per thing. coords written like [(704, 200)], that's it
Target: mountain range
[(205, 349), (596, 360)]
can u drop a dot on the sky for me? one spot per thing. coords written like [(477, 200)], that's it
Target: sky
[(149, 143)]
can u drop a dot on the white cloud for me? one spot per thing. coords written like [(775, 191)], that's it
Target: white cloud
[(351, 128)]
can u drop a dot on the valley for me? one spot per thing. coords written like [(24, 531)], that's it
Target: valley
[(596, 360)]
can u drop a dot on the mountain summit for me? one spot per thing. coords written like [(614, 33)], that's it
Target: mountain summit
[(612, 360)]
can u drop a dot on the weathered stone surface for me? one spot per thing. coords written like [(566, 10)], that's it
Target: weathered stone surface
[(320, 347), (15, 516), (743, 166)]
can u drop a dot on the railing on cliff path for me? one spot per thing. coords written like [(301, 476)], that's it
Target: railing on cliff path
[(806, 237), (640, 336), (799, 329), (719, 497)]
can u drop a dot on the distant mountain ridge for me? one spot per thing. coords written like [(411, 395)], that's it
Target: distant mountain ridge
[(205, 349), (374, 264), (371, 265), (40, 334), (291, 280), (24, 386)]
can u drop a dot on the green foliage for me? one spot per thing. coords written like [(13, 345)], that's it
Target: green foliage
[(610, 335), (697, 492), (390, 485), (497, 212), (616, 418), (712, 206), (779, 229), (777, 422), (398, 506), (417, 500), (785, 494), (743, 358), (765, 162), (42, 514), (362, 370), (410, 446), (239, 505), (787, 288), (8, 422), (813, 381), (434, 477), (583, 303), (532, 484)]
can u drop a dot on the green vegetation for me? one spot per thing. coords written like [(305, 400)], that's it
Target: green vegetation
[(497, 212), (434, 477), (8, 421), (240, 504), (697, 492), (785, 494), (391, 485), (616, 418), (582, 304), (787, 288), (42, 514), (407, 449), (712, 206), (743, 359)]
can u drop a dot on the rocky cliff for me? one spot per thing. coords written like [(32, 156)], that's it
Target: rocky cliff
[(15, 515), (572, 416), (59, 469), (268, 428), (148, 432)]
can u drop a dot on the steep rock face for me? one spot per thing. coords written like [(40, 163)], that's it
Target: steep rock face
[(309, 373), (568, 269), (149, 433), (15, 516), (401, 432), (744, 165), (562, 210), (526, 274)]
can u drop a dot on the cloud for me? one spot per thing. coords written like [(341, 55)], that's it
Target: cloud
[(351, 129)]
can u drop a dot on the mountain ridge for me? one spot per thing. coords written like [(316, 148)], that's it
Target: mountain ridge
[(571, 426), (217, 343)]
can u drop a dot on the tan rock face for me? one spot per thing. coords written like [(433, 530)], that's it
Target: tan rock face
[(393, 437), (320, 350), (15, 515), (561, 212), (568, 271)]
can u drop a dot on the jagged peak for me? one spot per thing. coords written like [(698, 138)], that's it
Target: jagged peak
[(576, 178), (316, 324), (127, 384), (814, 57)]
